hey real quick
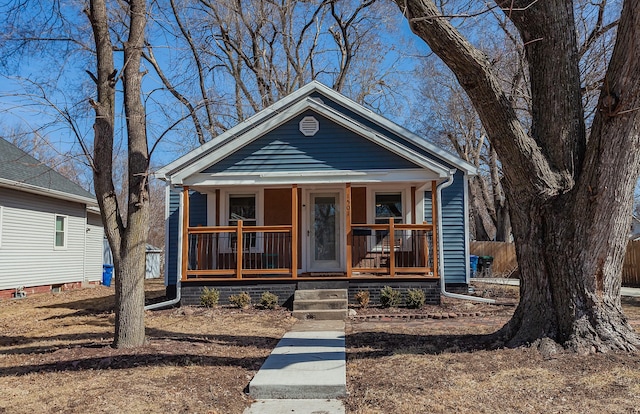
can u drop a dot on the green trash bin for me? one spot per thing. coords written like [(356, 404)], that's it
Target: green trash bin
[(484, 266)]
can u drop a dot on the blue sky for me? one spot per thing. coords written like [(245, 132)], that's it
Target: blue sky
[(16, 111)]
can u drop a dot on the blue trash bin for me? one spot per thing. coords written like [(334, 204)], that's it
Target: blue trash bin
[(107, 274), (473, 264)]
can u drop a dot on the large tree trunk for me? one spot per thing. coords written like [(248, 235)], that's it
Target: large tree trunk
[(570, 197), (130, 283), (127, 242), (570, 276)]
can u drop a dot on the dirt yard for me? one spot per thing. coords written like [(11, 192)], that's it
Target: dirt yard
[(55, 356)]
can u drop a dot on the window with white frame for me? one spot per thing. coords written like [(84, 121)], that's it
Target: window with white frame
[(388, 206), (61, 232), (243, 207)]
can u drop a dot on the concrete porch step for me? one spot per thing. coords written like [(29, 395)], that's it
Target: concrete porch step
[(321, 315), (322, 304), (320, 294)]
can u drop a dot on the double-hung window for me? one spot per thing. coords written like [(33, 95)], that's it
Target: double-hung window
[(388, 206), (243, 207), (61, 232)]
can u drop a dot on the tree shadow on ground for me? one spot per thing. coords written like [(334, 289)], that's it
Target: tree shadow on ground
[(68, 340), (93, 305), (261, 342), (92, 351), (98, 305), (53, 343), (381, 344), (137, 360)]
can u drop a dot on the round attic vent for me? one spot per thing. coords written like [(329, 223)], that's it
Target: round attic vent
[(309, 126)]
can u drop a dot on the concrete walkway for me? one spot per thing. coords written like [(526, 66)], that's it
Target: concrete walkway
[(624, 291), (305, 373)]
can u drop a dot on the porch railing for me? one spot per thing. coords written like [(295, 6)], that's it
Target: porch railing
[(242, 252), (239, 251), (392, 249)]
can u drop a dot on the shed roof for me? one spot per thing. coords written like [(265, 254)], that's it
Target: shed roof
[(21, 171)]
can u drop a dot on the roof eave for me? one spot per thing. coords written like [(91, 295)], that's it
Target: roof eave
[(179, 176), (61, 195), (397, 129), (239, 129), (172, 172)]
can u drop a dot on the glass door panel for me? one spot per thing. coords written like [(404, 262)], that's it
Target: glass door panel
[(324, 232)]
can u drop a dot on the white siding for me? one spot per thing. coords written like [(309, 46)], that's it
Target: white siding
[(27, 254), (93, 252)]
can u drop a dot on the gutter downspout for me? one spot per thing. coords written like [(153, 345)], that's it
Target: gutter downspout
[(176, 300), (443, 288), (167, 303)]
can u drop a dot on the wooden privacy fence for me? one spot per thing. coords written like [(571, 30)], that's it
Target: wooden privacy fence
[(504, 259), (631, 267), (504, 256)]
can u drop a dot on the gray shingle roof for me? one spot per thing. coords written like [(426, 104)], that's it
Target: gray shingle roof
[(16, 165)]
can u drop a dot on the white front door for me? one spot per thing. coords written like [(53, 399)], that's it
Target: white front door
[(324, 232)]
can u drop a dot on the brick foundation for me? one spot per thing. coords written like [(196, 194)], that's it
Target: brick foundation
[(191, 291), (431, 289), (32, 290), (285, 290)]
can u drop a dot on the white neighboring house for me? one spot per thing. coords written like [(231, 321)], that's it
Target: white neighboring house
[(50, 227)]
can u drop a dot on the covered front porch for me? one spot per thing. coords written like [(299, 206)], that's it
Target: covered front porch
[(318, 231)]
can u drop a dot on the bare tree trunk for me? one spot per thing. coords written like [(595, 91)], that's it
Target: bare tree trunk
[(485, 229), (570, 197), (128, 242), (130, 301), (501, 211), (570, 275)]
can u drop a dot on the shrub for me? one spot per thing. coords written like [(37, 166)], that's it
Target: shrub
[(389, 298), (209, 297), (268, 300), (363, 298), (242, 300), (415, 298)]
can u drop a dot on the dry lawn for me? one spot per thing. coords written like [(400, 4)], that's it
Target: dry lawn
[(55, 356), (451, 366)]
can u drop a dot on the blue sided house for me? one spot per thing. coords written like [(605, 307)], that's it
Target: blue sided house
[(316, 191)]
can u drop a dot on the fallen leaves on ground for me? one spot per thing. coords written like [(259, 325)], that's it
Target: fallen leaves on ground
[(55, 356)]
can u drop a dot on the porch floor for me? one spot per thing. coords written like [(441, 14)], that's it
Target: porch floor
[(314, 276)]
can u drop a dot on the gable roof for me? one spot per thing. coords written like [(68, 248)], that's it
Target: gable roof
[(21, 171), (296, 103)]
